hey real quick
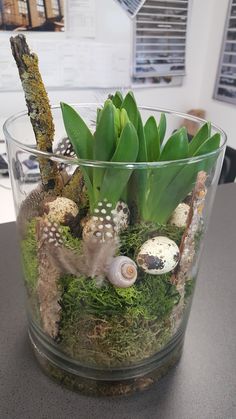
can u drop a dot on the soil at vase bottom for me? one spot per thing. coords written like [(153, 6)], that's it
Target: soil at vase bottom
[(98, 387)]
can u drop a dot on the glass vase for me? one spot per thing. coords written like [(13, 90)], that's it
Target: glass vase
[(109, 283)]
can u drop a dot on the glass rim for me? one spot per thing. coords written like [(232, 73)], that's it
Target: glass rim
[(128, 165)]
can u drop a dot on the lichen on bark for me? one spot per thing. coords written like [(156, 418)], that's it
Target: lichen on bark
[(38, 108)]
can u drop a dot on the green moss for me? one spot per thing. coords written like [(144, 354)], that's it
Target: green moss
[(152, 297), (70, 241), (105, 325), (29, 256), (113, 326)]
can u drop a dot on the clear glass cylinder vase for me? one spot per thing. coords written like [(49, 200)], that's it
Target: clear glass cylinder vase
[(109, 281)]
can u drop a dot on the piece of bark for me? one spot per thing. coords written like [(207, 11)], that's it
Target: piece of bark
[(48, 285), (75, 189), (38, 109), (188, 245)]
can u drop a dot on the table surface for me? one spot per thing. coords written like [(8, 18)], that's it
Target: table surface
[(201, 386)]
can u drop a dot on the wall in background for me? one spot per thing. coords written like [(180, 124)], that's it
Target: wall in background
[(205, 33), (115, 21), (221, 113)]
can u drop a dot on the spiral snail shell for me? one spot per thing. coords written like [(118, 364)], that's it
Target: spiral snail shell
[(122, 272)]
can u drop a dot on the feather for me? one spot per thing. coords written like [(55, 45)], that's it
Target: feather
[(93, 259), (97, 256), (92, 262), (30, 208)]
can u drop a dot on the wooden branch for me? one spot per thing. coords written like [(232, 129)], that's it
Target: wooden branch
[(38, 108), (74, 188)]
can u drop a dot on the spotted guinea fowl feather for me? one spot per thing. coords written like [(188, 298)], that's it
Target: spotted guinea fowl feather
[(97, 250)]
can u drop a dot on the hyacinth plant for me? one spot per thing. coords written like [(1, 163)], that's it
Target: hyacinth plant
[(121, 136)]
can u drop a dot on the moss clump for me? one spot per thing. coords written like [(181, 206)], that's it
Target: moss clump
[(133, 237), (112, 326), (153, 297), (29, 256), (70, 241)]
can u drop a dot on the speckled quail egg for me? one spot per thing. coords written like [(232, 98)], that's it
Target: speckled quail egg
[(60, 209), (158, 255), (180, 215), (121, 215)]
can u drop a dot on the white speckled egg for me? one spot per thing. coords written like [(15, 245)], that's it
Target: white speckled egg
[(60, 208), (180, 215), (158, 255), (121, 215)]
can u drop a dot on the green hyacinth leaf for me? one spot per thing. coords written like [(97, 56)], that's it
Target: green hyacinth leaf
[(115, 180), (158, 181), (130, 105), (176, 147), (139, 182), (203, 133), (105, 134), (99, 112), (78, 132), (162, 127), (105, 139), (170, 185), (117, 121), (142, 155), (117, 99), (123, 118), (181, 184), (81, 138), (152, 139), (211, 144)]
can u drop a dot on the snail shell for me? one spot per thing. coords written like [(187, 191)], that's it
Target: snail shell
[(122, 272)]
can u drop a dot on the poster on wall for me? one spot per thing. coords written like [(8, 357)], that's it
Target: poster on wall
[(81, 56), (32, 15), (81, 18)]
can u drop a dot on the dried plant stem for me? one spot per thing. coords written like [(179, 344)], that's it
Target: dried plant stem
[(38, 108)]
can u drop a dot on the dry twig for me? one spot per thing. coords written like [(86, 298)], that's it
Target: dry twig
[(38, 108)]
